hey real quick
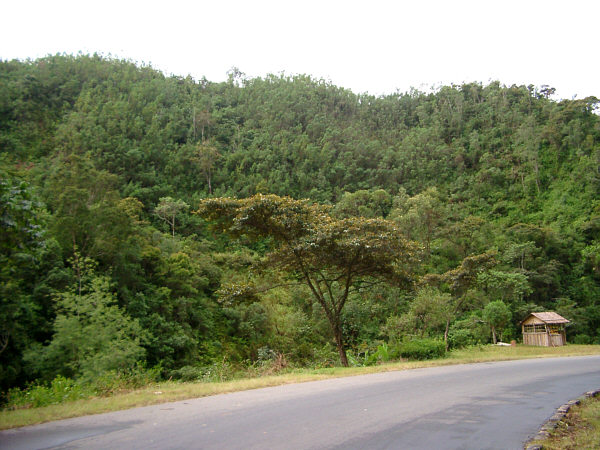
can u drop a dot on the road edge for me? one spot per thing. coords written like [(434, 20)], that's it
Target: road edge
[(552, 422)]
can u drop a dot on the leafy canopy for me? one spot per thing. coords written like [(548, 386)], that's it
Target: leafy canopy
[(333, 257)]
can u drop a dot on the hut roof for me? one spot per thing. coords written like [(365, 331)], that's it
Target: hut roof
[(548, 317)]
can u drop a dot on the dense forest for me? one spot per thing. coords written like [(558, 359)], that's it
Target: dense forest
[(119, 249)]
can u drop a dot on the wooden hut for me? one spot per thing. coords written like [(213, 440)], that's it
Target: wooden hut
[(545, 329)]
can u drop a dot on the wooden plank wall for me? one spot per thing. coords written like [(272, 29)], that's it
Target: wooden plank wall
[(541, 339)]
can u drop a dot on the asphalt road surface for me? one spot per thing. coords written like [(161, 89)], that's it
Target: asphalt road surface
[(476, 406)]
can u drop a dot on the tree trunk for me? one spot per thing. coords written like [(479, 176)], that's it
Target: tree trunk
[(446, 333), (339, 342), (494, 335), (194, 121)]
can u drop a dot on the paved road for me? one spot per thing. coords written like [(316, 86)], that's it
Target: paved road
[(476, 406)]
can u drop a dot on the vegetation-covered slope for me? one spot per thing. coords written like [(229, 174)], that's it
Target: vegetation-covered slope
[(104, 162)]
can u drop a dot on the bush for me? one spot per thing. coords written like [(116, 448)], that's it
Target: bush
[(189, 373), (60, 390), (384, 353), (462, 337), (218, 371), (326, 356), (421, 349), (582, 339), (111, 382)]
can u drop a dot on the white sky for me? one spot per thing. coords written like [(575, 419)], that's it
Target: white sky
[(367, 46)]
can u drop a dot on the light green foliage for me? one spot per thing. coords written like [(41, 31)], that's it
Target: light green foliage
[(428, 314), (63, 390), (520, 253), (59, 390), (496, 314), (591, 255), (92, 335), (470, 331), (168, 209), (421, 349), (206, 158), (465, 276), (369, 204), (420, 216), (508, 286)]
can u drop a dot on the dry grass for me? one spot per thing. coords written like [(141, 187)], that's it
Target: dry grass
[(579, 430), (173, 391)]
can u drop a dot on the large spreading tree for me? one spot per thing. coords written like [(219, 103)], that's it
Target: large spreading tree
[(333, 257)]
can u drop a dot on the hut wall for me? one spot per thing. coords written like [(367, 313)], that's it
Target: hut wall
[(557, 340), (539, 339)]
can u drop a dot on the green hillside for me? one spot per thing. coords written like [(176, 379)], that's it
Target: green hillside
[(108, 267)]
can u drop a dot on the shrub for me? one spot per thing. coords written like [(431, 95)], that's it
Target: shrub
[(462, 337), (108, 383), (325, 356), (266, 355), (59, 390), (189, 373), (384, 353), (582, 339), (218, 371), (421, 349)]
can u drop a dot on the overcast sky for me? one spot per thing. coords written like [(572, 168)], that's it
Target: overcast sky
[(367, 46)]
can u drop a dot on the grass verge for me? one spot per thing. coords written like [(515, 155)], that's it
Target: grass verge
[(169, 391), (579, 429)]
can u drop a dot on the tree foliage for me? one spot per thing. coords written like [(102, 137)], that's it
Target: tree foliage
[(333, 257), (92, 335), (496, 314)]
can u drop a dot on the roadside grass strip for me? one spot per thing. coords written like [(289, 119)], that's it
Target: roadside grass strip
[(169, 391), (576, 425)]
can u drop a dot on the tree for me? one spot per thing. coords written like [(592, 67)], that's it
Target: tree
[(22, 241), (468, 235), (203, 119), (459, 281), (92, 334), (509, 286), (496, 314), (423, 214), (206, 157), (20, 238), (168, 208), (527, 143), (364, 203), (333, 257), (84, 205), (430, 310)]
